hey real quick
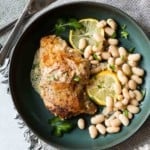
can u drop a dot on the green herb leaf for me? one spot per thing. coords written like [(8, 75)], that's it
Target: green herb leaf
[(143, 91), (54, 121), (59, 127), (96, 57), (74, 24), (62, 25), (124, 34), (65, 127), (125, 112), (112, 67), (99, 86), (57, 132), (131, 50), (123, 27), (76, 78), (114, 35)]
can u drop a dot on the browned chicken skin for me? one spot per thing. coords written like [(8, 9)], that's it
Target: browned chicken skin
[(62, 77)]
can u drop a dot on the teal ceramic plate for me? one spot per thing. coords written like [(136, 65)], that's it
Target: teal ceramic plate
[(28, 102)]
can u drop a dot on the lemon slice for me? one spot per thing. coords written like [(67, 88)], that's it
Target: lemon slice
[(87, 32), (102, 85)]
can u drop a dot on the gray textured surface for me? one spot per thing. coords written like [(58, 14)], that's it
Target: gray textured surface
[(11, 138)]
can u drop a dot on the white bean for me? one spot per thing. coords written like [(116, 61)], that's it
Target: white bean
[(113, 50), (107, 123), (93, 131), (122, 78), (118, 105), (90, 58), (132, 63), (88, 51), (138, 95), (124, 120), (98, 48), (109, 101), (133, 109), (138, 71), (119, 61), (130, 116), (117, 113), (112, 23), (134, 102), (105, 55), (134, 57), (122, 52), (97, 119), (94, 62), (113, 41), (96, 70), (132, 84), (126, 69), (125, 93), (107, 110), (81, 123), (82, 43), (117, 88), (101, 128), (137, 79), (101, 24), (111, 61), (132, 94), (109, 31), (125, 101), (112, 129), (115, 122)]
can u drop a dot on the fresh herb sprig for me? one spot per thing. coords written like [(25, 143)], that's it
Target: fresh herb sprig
[(63, 24), (131, 50), (59, 127), (124, 33)]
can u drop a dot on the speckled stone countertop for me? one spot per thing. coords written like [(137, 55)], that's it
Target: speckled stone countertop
[(11, 136)]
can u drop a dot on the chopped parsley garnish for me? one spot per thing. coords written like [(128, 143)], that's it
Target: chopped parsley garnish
[(131, 50), (112, 67), (63, 24), (96, 57), (114, 35), (125, 112), (122, 58), (143, 91), (124, 33), (59, 127)]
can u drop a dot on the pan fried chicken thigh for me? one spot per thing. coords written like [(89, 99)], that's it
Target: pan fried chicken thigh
[(60, 77)]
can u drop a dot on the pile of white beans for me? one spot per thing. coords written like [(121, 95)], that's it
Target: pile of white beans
[(120, 110)]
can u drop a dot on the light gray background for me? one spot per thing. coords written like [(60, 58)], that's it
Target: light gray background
[(11, 137)]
